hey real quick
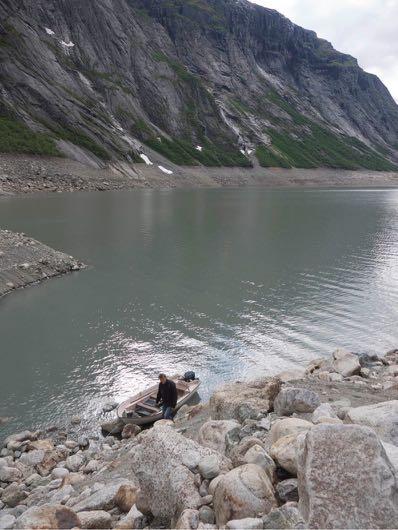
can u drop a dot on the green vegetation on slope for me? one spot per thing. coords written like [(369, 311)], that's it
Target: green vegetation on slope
[(181, 152), (16, 137), (315, 146)]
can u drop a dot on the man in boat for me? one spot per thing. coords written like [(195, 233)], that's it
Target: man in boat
[(167, 396)]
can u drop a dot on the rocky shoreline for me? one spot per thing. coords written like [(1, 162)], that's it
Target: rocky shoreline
[(24, 261), (309, 448), (28, 174)]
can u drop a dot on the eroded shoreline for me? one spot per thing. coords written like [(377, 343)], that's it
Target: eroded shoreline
[(25, 261)]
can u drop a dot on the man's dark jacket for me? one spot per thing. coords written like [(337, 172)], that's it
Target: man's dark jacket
[(167, 393)]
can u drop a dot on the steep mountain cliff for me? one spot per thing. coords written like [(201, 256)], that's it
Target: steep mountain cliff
[(212, 82)]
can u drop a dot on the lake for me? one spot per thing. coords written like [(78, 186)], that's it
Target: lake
[(230, 283)]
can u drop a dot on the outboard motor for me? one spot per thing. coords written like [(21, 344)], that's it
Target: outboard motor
[(189, 376)]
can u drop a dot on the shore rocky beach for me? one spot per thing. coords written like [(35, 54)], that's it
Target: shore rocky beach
[(25, 261), (310, 448), (27, 174)]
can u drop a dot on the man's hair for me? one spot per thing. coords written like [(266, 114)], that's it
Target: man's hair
[(161, 376)]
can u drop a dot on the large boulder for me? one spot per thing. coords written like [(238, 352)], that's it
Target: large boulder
[(48, 516), (381, 417), (345, 479), (246, 491), (284, 453), (288, 426), (345, 363), (162, 463), (291, 399), (240, 400), (216, 434)]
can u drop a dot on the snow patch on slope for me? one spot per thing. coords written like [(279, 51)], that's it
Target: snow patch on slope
[(167, 171), (146, 159)]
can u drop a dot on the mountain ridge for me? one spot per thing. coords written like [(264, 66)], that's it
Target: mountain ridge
[(211, 82)]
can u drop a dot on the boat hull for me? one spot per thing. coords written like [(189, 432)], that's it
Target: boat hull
[(146, 420)]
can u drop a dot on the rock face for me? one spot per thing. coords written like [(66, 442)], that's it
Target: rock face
[(165, 481), (246, 491), (48, 517), (382, 417), (290, 400), (345, 479), (240, 401), (244, 69)]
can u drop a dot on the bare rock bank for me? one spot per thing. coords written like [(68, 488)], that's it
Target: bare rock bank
[(24, 261), (309, 448), (24, 174)]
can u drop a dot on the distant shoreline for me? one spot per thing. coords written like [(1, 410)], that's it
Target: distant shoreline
[(27, 174)]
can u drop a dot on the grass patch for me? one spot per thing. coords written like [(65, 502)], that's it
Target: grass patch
[(268, 158), (297, 117), (16, 137), (323, 149), (183, 153), (178, 67)]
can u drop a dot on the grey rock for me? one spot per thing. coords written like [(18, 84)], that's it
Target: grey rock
[(188, 520), (9, 474), (134, 519), (291, 399), (48, 516), (7, 521), (285, 517), (103, 499), (167, 485), (381, 417), (96, 519), (109, 406), (59, 472), (113, 427), (33, 458), (249, 523), (75, 462), (206, 515), (345, 363), (244, 492), (345, 479), (209, 466), (213, 434), (284, 452), (13, 495), (287, 490), (240, 401), (287, 427)]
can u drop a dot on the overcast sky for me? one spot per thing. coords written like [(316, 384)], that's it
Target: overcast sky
[(366, 29)]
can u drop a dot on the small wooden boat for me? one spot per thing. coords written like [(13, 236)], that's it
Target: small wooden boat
[(142, 409)]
